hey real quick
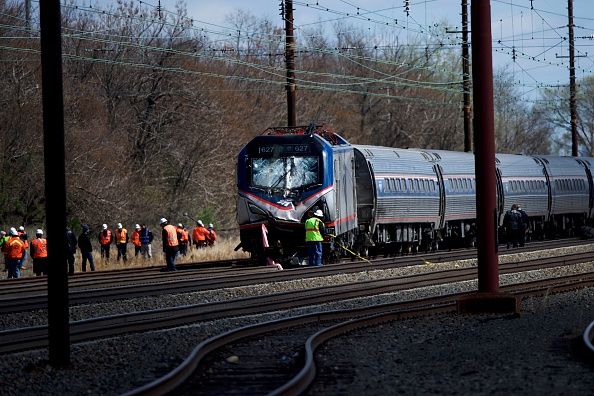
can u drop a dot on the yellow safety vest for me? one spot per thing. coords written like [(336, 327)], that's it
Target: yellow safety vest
[(312, 230)]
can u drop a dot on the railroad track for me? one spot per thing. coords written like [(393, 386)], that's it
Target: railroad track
[(32, 295), (36, 337), (261, 373)]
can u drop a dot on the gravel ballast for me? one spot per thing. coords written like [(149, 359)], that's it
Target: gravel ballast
[(406, 352)]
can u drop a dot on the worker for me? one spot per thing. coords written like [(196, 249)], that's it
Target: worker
[(15, 248), (146, 238), (170, 244), (23, 235), (39, 253), (3, 238), (183, 238), (105, 241), (71, 244), (121, 240), (211, 237), (86, 249), (314, 231), (199, 235), (135, 239), (513, 224)]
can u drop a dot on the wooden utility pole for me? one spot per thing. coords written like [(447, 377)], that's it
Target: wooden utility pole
[(466, 79), (290, 62), (572, 104), (28, 14)]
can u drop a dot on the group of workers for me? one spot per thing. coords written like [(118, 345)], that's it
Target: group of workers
[(15, 243)]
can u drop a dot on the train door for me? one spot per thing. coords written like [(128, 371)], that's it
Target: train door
[(500, 196), (590, 187), (442, 195)]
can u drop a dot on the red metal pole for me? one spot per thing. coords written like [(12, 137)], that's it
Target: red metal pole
[(484, 146)]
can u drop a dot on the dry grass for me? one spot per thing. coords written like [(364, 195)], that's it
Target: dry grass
[(222, 250)]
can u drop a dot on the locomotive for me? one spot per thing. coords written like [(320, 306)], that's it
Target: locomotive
[(392, 200)]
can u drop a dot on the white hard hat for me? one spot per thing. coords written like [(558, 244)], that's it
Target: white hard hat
[(200, 223), (137, 226), (2, 232), (210, 225), (119, 225), (180, 225), (163, 220), (13, 231), (39, 231), (104, 226), (21, 228), (318, 213)]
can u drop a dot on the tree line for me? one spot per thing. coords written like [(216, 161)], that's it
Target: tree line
[(157, 109)]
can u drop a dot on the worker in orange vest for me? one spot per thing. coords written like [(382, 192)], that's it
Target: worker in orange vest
[(183, 238), (15, 249), (121, 240), (39, 253), (211, 237), (135, 239), (105, 241), (199, 235), (170, 244)]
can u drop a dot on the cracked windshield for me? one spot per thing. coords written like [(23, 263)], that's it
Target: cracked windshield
[(284, 172)]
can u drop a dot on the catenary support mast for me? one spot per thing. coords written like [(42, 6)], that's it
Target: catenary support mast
[(484, 146), (55, 181)]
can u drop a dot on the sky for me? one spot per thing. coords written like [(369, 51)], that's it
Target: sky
[(536, 29)]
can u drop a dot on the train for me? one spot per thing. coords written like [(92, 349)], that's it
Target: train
[(385, 200)]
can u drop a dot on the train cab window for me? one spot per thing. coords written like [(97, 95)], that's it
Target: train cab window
[(285, 172)]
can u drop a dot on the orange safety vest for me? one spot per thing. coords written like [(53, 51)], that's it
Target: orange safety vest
[(15, 248), (199, 234), (135, 238), (212, 236), (25, 241), (121, 235), (184, 235), (171, 235), (39, 248), (105, 237)]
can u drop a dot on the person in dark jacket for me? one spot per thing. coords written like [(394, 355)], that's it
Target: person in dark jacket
[(513, 223), (146, 238), (525, 225), (71, 244), (86, 249)]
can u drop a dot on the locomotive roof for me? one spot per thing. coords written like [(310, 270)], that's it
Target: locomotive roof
[(323, 131)]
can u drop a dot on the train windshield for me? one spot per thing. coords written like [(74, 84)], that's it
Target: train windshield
[(285, 173)]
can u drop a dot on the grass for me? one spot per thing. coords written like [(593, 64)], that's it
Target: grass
[(222, 250)]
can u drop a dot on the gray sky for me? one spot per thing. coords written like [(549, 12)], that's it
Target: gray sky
[(540, 34)]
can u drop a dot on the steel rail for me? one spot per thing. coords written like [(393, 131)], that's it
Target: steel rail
[(98, 277), (355, 318), (195, 281), (35, 337)]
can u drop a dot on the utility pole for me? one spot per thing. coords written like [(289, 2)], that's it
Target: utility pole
[(572, 104), (465, 77), (290, 62), (28, 14), (55, 181)]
